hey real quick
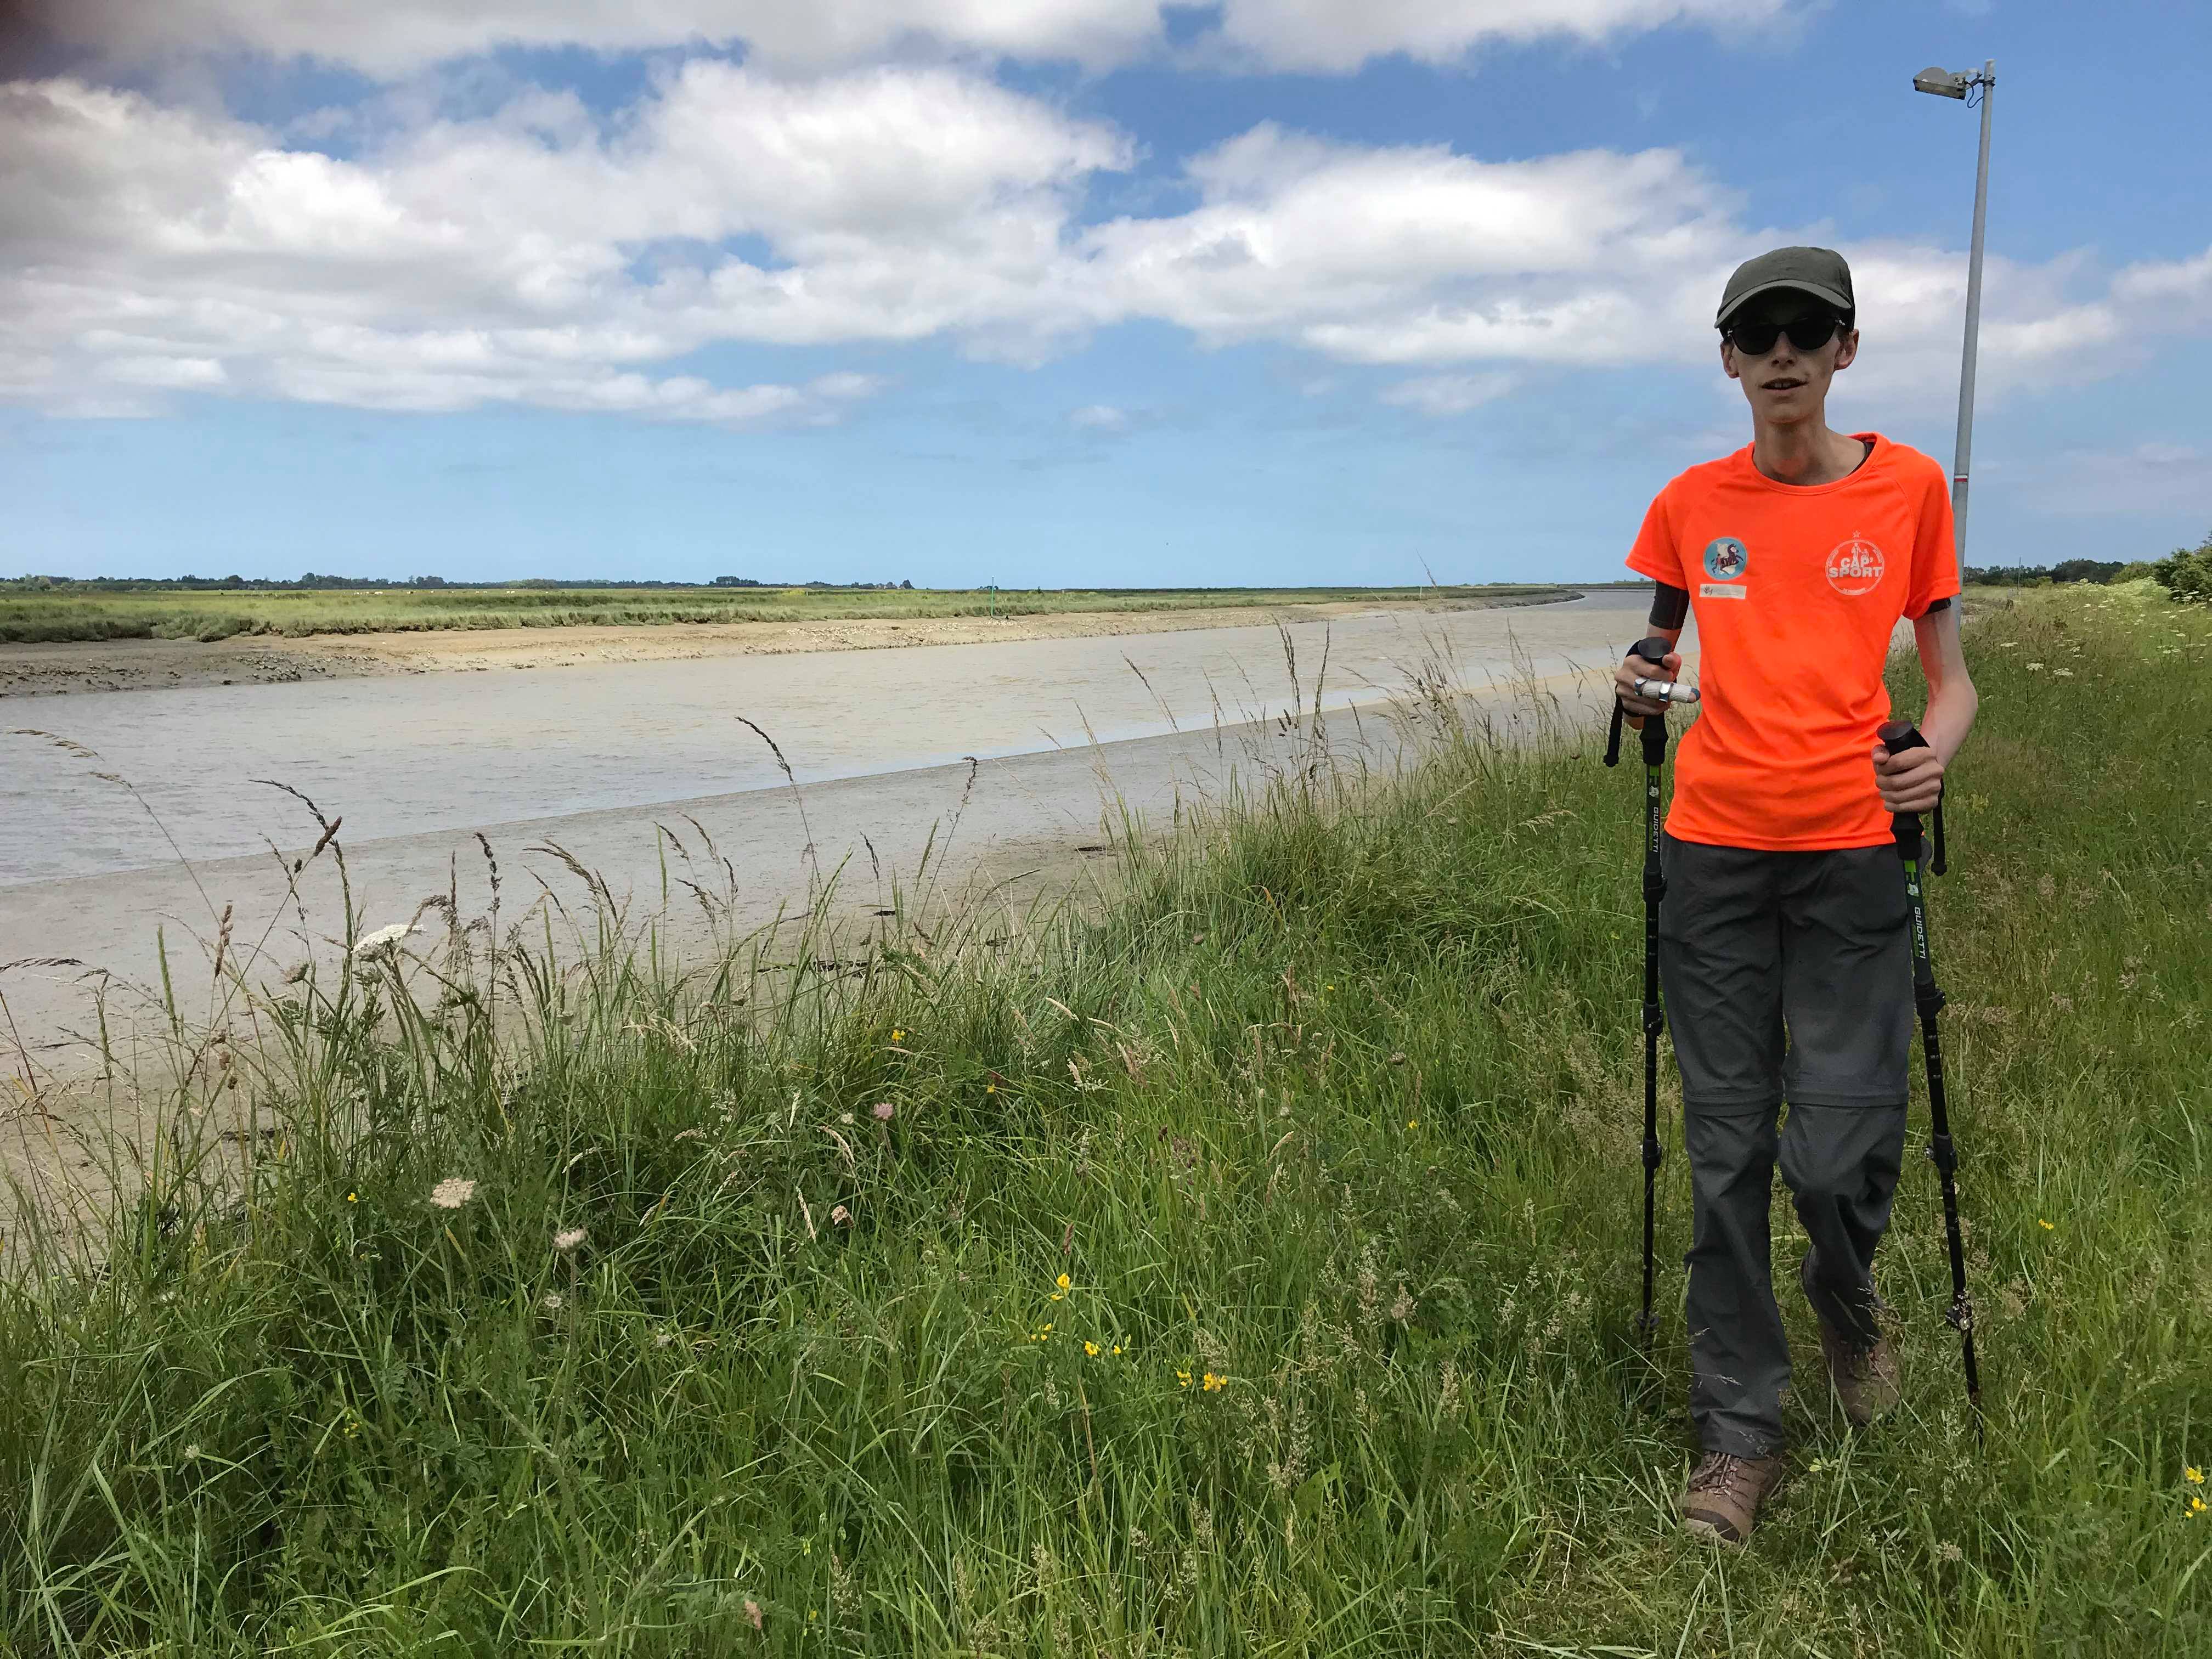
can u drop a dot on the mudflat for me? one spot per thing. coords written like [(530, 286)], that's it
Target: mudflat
[(44, 669)]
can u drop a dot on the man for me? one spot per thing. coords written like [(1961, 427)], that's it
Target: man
[(1783, 957)]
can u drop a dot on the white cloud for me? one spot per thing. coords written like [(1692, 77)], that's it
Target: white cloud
[(2152, 477), (168, 373), (395, 37), (502, 259), (1342, 34), (1100, 418), (548, 255), (1444, 395)]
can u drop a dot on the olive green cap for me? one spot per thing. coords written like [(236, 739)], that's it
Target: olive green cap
[(1818, 271)]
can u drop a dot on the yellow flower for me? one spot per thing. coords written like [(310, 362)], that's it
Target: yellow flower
[(1090, 1348), (353, 1198), (897, 1036), (1183, 1377), (1062, 1281), (2193, 1475), (2196, 1504), (1056, 1295), (2045, 1225), (1412, 1123), (1117, 1351), (1214, 1383), (990, 1088)]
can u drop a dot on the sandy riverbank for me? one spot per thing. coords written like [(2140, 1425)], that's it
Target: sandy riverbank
[(148, 665)]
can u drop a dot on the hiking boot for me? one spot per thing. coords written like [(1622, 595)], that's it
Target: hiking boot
[(1863, 1374), (1722, 1500)]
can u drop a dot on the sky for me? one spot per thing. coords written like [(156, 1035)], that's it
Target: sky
[(1055, 292)]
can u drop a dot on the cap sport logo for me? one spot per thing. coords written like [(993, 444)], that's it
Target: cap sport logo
[(1854, 566), (1725, 558)]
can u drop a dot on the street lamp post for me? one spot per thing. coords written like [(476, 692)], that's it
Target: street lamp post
[(1948, 83)]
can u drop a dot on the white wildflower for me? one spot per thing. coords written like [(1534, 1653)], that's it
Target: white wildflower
[(383, 938), (452, 1192), (885, 1110), (554, 1302), (570, 1239)]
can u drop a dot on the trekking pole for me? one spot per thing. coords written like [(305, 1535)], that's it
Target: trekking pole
[(1653, 651), (1898, 737)]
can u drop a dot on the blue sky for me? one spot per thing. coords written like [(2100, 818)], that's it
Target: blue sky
[(1054, 292)]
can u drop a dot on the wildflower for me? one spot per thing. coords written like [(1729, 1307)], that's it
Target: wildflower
[(752, 1613), (192, 1452), (353, 1198), (1062, 1281), (554, 1302), (665, 1340), (1117, 1351), (452, 1192), (1183, 1377), (884, 1111), (1412, 1123), (2045, 1225), (1948, 1551), (844, 1117), (1214, 1384), (383, 938), (1090, 1347), (2034, 667), (570, 1239), (2196, 1504), (990, 1088), (897, 1036), (2193, 1475), (841, 1216)]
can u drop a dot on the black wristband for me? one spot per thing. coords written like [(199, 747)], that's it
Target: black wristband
[(1670, 606)]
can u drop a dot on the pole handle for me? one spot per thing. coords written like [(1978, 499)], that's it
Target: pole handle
[(1898, 737), (1654, 651)]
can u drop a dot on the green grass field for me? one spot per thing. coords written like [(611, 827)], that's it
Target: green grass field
[(1244, 1266), (30, 616)]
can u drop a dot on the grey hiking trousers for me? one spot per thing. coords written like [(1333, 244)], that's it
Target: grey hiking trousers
[(1788, 976)]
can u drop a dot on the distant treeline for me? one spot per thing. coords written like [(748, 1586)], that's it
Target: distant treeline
[(2185, 573), (312, 582), (2066, 570)]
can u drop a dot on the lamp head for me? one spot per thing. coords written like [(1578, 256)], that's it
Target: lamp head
[(1942, 83)]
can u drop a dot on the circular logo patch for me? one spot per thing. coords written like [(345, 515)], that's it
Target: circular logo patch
[(1854, 566), (1725, 558)]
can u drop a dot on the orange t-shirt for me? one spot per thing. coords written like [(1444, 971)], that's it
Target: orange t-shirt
[(1796, 590)]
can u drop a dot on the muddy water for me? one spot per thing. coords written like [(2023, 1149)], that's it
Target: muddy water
[(405, 755)]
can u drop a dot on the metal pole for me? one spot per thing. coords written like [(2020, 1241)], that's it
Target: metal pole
[(1963, 453)]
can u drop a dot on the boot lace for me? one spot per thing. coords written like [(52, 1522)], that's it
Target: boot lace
[(1721, 1472)]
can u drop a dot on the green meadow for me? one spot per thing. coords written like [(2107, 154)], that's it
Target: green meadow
[(29, 614), (1242, 1261)]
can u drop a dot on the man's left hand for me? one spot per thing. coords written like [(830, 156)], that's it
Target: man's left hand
[(1910, 782)]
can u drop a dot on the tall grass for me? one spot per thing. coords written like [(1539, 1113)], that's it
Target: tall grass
[(1244, 1267), (196, 615)]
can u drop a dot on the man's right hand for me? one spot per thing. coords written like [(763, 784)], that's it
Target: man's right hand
[(1633, 668)]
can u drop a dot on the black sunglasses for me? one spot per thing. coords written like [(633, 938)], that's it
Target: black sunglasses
[(1808, 331)]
